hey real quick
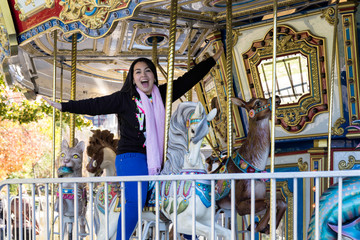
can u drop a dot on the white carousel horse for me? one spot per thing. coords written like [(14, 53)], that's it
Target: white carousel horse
[(189, 126), (71, 166)]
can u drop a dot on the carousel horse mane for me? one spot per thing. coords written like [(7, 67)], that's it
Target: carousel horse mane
[(98, 142), (178, 142), (101, 139)]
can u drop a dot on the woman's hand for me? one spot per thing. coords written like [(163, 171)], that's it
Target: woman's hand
[(218, 53), (52, 103)]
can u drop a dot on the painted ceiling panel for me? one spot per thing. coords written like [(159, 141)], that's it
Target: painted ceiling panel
[(111, 34)]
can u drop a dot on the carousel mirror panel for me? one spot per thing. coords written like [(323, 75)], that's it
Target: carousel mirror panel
[(301, 75), (292, 80)]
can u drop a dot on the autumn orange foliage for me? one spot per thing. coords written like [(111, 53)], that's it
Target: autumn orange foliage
[(19, 147)]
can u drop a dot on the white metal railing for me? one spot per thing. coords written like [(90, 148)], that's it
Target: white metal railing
[(91, 181)]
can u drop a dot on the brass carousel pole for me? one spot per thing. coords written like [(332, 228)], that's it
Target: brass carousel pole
[(229, 81), (272, 160), (169, 95), (330, 103), (229, 73), (189, 93), (170, 70), (61, 98), (73, 87), (154, 51), (53, 133)]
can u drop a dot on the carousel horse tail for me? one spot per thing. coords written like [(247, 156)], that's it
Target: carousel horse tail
[(328, 211)]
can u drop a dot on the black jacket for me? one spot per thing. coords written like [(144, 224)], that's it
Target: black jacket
[(123, 104)]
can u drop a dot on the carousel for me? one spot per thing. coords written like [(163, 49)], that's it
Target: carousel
[(286, 92)]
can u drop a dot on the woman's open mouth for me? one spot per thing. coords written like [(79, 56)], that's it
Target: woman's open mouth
[(145, 83)]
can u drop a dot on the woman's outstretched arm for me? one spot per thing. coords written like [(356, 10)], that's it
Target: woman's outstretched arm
[(52, 103)]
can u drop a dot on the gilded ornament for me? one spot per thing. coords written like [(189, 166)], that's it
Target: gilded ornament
[(347, 166), (329, 15), (337, 130), (139, 26), (28, 8), (209, 13), (4, 38), (91, 13), (49, 3), (290, 218), (28, 2), (303, 166), (283, 187)]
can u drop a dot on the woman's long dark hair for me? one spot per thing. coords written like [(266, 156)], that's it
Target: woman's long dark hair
[(129, 82)]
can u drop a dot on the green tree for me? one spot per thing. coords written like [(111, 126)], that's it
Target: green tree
[(26, 134), (25, 111)]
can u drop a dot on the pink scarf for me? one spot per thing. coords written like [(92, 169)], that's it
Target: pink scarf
[(155, 129)]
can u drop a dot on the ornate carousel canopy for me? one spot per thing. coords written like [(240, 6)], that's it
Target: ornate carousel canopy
[(111, 34)]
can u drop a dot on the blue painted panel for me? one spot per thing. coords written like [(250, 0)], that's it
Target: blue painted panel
[(353, 108), (349, 52), (347, 34), (351, 73)]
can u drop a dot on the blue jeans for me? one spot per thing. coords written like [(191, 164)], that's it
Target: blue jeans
[(131, 164)]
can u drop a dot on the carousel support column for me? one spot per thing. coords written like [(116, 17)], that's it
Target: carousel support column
[(272, 137), (189, 93), (229, 73), (229, 80), (53, 133), (154, 51), (61, 99), (171, 56), (331, 90), (73, 87), (169, 95)]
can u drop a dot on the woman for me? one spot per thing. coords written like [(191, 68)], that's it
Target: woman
[(137, 104)]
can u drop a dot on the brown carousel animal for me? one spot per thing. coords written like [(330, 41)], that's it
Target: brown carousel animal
[(102, 154), (251, 157)]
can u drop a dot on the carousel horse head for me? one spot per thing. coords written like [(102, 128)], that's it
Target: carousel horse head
[(197, 128), (257, 108), (183, 135), (101, 152)]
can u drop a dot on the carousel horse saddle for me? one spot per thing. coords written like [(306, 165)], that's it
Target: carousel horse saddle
[(113, 198), (202, 189)]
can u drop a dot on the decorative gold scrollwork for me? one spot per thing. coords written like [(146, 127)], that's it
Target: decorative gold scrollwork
[(329, 15), (351, 162), (337, 130), (92, 13), (4, 38), (303, 166), (28, 2)]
